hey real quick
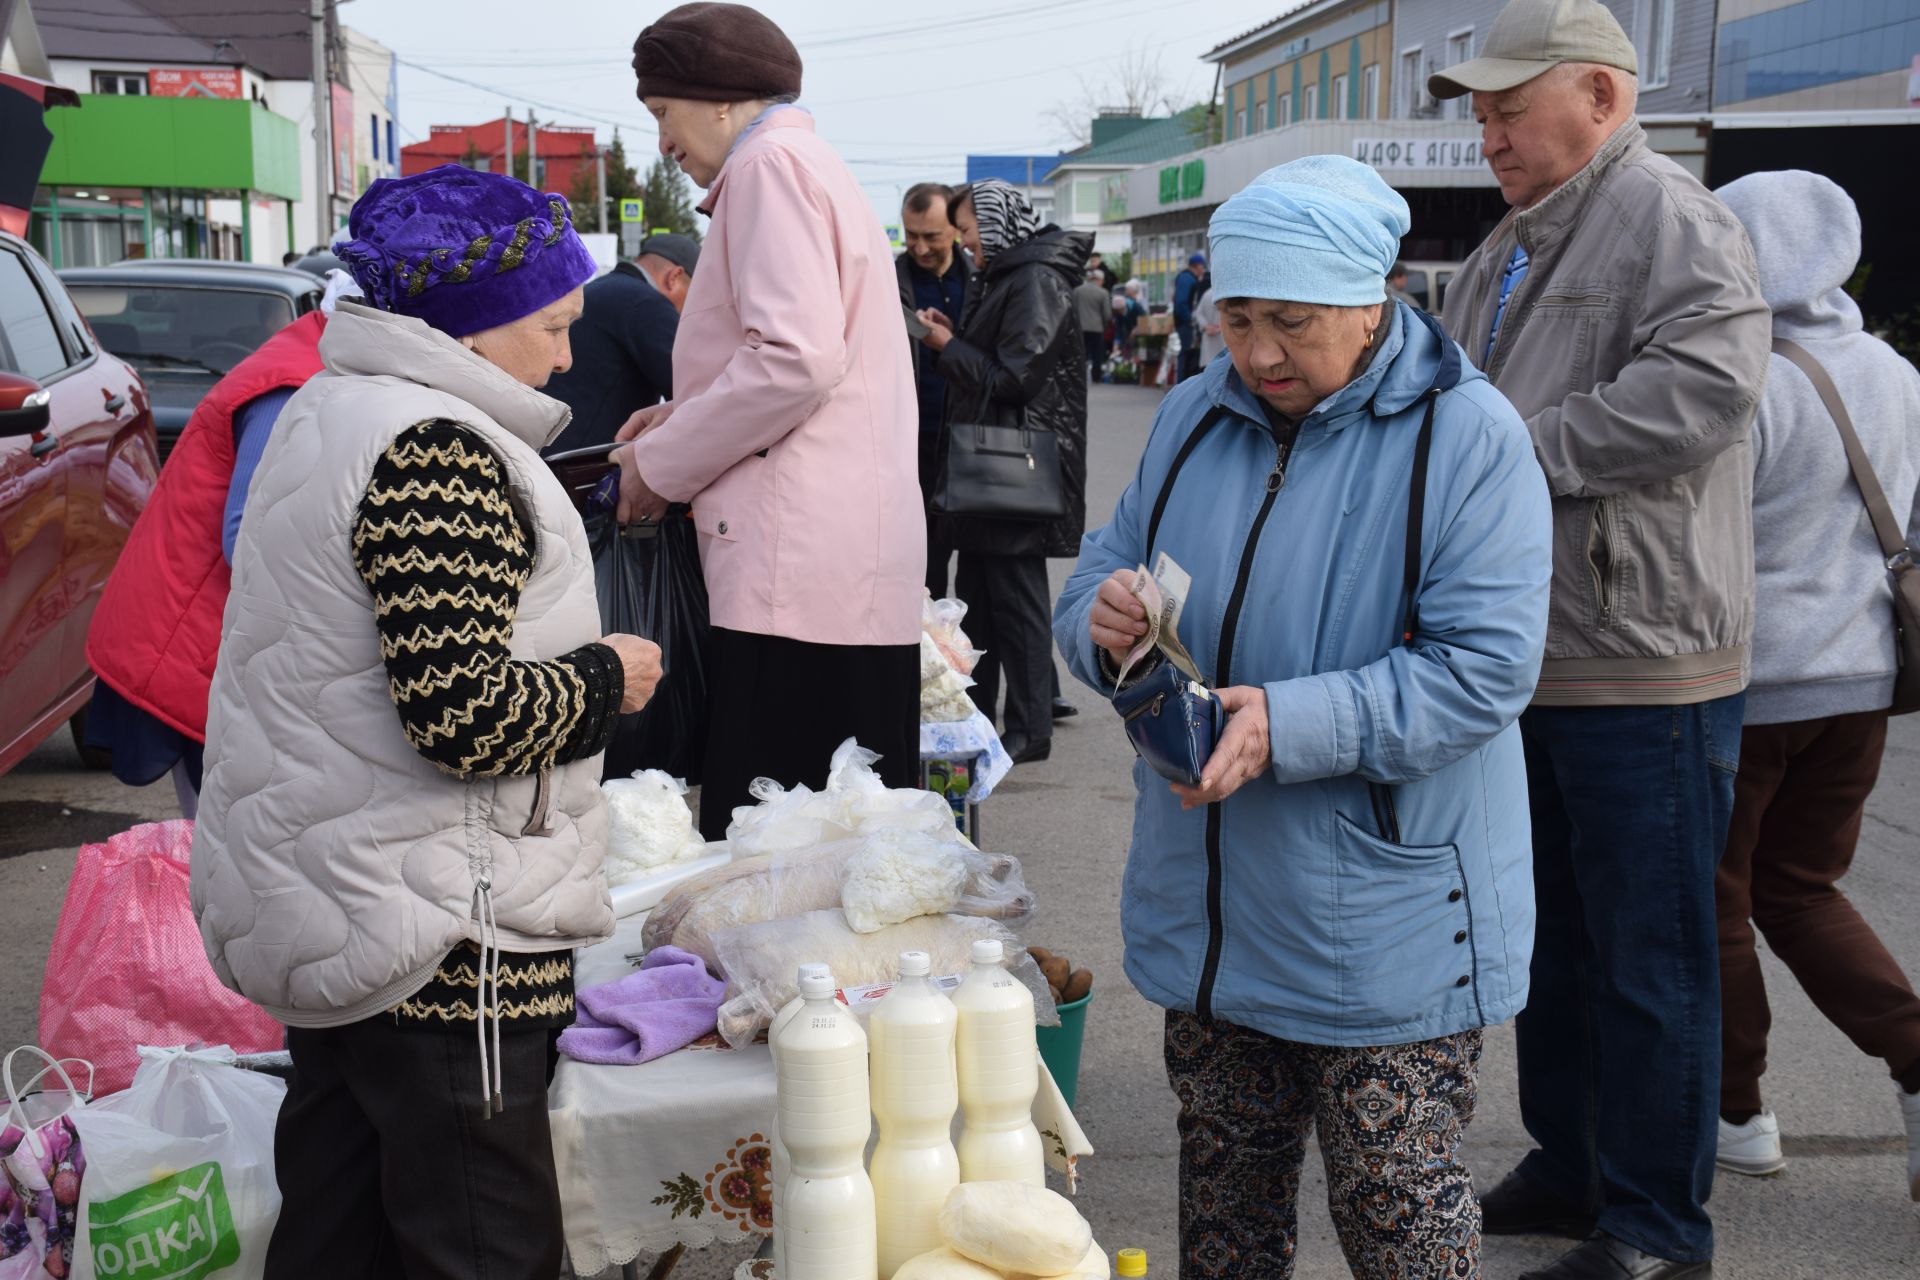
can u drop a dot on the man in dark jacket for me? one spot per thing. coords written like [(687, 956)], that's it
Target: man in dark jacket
[(1186, 295), (623, 341), (933, 275)]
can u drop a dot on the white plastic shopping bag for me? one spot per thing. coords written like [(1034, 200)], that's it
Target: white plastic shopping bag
[(180, 1181)]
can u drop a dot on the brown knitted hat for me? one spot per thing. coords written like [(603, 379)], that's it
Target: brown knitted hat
[(715, 53)]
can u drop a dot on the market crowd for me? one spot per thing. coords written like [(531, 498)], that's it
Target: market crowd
[(1555, 641)]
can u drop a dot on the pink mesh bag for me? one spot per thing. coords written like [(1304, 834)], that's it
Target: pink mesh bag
[(127, 968)]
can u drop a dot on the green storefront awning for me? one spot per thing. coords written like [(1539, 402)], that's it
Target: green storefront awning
[(199, 144)]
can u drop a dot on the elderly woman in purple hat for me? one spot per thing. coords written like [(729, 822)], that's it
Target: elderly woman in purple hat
[(794, 427), (401, 830)]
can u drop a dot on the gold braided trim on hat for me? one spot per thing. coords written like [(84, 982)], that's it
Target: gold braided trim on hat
[(415, 279)]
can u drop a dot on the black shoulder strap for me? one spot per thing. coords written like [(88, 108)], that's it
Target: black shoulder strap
[(1416, 518), (1187, 447)]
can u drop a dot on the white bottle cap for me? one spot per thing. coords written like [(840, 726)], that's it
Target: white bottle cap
[(816, 982), (915, 964), (989, 951)]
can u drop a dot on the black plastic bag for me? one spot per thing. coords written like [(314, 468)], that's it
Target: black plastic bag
[(650, 585)]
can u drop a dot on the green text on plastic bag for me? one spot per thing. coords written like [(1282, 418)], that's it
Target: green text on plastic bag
[(180, 1227)]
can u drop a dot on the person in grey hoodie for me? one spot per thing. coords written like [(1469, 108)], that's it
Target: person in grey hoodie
[(1824, 662)]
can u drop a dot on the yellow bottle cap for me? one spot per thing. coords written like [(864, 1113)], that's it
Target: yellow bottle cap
[(1130, 1262)]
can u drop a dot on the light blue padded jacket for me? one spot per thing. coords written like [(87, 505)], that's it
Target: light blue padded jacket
[(1375, 886)]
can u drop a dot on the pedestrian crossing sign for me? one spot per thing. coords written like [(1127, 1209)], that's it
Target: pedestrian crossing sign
[(633, 210)]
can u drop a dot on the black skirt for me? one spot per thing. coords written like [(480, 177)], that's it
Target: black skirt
[(777, 708)]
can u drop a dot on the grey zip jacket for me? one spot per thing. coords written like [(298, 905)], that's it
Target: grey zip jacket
[(1636, 348)]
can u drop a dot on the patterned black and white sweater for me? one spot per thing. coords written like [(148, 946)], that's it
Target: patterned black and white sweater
[(438, 542)]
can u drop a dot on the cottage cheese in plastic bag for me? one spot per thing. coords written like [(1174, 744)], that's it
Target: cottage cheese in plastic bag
[(649, 825)]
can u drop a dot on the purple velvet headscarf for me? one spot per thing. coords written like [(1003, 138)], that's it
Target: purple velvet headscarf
[(463, 250)]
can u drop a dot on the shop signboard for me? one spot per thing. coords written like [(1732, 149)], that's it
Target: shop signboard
[(1437, 155), (343, 167), (1181, 182), (194, 82)]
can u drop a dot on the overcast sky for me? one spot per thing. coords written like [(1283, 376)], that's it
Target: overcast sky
[(904, 98)]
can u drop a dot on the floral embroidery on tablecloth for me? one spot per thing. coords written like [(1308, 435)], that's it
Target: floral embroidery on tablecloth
[(740, 1187)]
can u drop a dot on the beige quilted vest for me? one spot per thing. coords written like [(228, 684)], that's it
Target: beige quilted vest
[(333, 865)]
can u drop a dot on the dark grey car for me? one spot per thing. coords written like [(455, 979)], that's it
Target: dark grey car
[(184, 324)]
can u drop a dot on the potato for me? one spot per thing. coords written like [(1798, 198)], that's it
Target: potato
[(1077, 986), (1057, 971), (1040, 954)]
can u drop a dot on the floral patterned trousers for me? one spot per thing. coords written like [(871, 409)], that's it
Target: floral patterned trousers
[(1390, 1122)]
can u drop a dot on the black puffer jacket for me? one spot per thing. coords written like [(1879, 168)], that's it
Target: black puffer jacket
[(1018, 357)]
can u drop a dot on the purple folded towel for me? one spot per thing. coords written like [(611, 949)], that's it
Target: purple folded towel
[(668, 1004)]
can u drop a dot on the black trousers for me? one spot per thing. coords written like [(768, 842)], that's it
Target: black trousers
[(1096, 343), (1009, 615), (777, 708), (387, 1168), (939, 547)]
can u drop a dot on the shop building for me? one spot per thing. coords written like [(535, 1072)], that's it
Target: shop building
[(1817, 55), (196, 126), (1089, 185), (561, 153)]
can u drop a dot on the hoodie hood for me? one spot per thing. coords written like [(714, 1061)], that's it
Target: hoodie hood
[(1064, 251), (1806, 237)]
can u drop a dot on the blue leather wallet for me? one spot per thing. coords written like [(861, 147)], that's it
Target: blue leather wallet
[(1172, 721)]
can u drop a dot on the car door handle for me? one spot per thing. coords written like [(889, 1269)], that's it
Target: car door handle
[(115, 404), (42, 447)]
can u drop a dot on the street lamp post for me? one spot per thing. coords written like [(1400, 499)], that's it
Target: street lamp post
[(322, 113)]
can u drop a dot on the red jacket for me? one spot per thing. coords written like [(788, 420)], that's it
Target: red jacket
[(156, 633)]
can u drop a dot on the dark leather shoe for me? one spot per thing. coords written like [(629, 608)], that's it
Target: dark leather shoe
[(1020, 751), (1520, 1207), (1604, 1258), (1064, 710)]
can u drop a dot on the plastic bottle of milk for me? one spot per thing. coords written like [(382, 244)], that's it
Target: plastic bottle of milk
[(914, 1097), (999, 1061), (824, 1218), (777, 1174)]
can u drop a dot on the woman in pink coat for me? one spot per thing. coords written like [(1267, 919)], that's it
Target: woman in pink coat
[(793, 430)]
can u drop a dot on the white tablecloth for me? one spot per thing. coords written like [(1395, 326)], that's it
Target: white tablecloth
[(969, 739), (675, 1151)]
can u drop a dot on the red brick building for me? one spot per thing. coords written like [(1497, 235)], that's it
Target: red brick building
[(562, 150)]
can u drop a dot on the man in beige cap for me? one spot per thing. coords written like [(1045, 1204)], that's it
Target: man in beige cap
[(1618, 307)]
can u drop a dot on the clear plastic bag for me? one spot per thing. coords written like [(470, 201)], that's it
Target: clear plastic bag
[(760, 961), (943, 691), (855, 800), (940, 620), (649, 825), (888, 872)]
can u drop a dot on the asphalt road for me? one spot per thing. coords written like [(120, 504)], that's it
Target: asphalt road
[(1840, 1210)]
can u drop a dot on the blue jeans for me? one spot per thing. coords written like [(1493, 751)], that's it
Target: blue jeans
[(1620, 1041)]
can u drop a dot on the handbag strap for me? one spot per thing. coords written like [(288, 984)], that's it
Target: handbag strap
[(1886, 526), (1187, 446), (1416, 520)]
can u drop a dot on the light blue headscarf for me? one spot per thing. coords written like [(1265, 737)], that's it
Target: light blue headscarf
[(1323, 229)]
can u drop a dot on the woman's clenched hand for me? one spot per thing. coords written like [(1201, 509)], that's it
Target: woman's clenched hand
[(1243, 753), (641, 659), (1118, 619)]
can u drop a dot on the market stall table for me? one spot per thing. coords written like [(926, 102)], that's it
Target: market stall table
[(674, 1154), (971, 742)]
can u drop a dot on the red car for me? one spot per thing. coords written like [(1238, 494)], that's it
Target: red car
[(78, 461)]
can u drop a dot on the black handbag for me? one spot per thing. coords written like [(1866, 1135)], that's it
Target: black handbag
[(1001, 473)]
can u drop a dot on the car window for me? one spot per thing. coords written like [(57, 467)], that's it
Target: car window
[(214, 327), (1417, 288), (80, 344), (32, 340), (1446, 278)]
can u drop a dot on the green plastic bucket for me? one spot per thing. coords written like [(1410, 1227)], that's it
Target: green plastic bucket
[(1060, 1046)]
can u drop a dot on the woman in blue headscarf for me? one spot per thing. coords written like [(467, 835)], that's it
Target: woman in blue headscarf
[(1345, 900)]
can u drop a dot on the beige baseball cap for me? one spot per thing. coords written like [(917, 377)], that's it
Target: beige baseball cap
[(1532, 37)]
